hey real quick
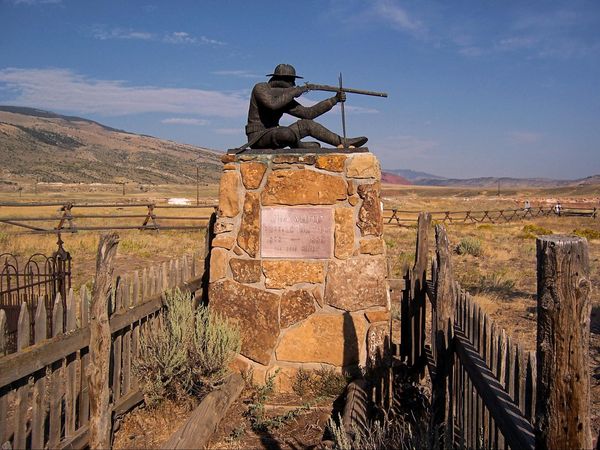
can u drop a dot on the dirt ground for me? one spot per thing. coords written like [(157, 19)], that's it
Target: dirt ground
[(303, 432), (150, 428)]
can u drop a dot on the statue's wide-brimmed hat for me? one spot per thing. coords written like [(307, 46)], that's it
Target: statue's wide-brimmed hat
[(284, 70)]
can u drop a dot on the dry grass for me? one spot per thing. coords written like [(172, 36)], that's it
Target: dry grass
[(137, 249)]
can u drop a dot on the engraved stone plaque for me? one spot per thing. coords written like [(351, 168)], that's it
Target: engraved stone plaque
[(296, 233)]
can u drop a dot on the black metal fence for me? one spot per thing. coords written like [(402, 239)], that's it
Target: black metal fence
[(29, 280)]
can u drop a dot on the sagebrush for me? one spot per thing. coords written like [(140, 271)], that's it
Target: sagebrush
[(185, 351), (469, 246)]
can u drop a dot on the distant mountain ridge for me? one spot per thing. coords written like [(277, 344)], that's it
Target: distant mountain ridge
[(39, 145), (45, 146), (427, 179)]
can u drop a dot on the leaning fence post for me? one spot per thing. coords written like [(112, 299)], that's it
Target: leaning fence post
[(419, 274), (563, 335), (445, 292), (100, 339)]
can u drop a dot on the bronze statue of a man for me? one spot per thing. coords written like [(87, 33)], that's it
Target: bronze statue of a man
[(270, 100)]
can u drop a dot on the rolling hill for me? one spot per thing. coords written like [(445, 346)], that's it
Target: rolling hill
[(48, 147)]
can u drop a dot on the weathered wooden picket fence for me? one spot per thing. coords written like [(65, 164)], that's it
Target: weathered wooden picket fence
[(44, 387), (487, 391)]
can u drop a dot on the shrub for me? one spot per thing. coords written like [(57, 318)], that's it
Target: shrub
[(531, 231), (324, 382), (469, 246), (387, 432), (186, 351), (256, 413), (495, 283), (587, 233)]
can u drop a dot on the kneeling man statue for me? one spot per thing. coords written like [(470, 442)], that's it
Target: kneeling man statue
[(270, 100)]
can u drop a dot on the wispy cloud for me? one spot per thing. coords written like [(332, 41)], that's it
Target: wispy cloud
[(237, 73), (184, 121), (524, 137), (380, 12), (119, 33), (65, 90), (553, 33), (176, 37), (390, 11)]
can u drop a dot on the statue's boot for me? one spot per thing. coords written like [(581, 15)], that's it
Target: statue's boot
[(355, 142)]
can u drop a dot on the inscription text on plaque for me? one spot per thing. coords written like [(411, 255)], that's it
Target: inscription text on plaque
[(296, 232)]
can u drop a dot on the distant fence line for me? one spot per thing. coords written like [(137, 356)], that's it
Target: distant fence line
[(402, 217), (67, 222)]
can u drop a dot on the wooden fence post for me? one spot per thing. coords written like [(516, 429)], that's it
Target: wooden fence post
[(442, 408), (418, 278), (100, 340), (563, 334)]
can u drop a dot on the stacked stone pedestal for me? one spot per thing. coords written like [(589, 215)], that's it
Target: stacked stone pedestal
[(295, 312)]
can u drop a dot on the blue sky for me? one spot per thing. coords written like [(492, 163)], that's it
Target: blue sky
[(476, 88)]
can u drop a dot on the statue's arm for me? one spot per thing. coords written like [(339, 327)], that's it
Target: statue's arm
[(310, 112), (276, 98)]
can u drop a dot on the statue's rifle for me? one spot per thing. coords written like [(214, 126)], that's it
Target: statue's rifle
[(324, 87)]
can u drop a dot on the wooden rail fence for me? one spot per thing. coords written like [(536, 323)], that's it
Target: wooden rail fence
[(67, 221), (487, 390), (400, 217), (44, 388)]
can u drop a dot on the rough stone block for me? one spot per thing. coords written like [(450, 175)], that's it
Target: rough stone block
[(223, 226), (249, 234), (296, 306), (333, 163), (218, 264), (254, 311), (280, 274), (224, 241), (356, 283), (363, 165), (370, 215), (377, 336), (344, 232), (373, 246), (337, 339), (377, 316), (292, 159), (303, 187), (252, 174), (245, 270), (229, 194)]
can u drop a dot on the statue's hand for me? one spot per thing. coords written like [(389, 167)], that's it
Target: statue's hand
[(340, 96), (300, 90)]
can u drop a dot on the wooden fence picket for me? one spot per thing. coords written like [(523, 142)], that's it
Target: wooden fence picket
[(56, 388), (72, 363), (3, 348), (22, 399), (84, 400), (38, 412), (126, 377)]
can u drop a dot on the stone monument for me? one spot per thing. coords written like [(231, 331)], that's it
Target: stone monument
[(298, 258)]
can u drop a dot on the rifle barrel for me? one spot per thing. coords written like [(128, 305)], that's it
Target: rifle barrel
[(324, 87)]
